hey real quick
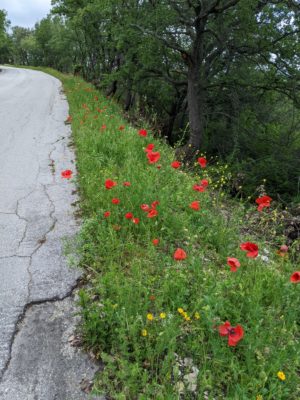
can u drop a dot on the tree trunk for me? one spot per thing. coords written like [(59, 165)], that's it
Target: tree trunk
[(196, 113), (196, 103), (128, 98), (111, 91), (167, 129)]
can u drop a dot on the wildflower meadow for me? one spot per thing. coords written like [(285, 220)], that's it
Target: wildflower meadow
[(180, 301)]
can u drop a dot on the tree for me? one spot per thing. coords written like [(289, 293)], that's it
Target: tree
[(21, 51), (216, 75), (5, 44), (213, 37)]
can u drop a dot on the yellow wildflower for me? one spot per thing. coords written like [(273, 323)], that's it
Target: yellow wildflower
[(187, 318), (150, 317), (162, 315), (281, 375), (180, 310), (144, 332), (259, 397), (197, 315)]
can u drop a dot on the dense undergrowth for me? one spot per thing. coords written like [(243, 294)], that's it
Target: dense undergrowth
[(154, 320)]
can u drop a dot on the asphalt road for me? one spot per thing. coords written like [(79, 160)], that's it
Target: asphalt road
[(37, 308)]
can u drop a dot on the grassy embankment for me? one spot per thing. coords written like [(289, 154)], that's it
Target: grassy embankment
[(130, 310)]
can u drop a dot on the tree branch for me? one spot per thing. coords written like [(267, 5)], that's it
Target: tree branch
[(172, 46)]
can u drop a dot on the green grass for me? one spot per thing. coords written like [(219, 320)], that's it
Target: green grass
[(129, 277)]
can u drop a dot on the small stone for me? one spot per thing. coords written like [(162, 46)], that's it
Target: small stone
[(75, 341), (188, 362), (86, 385)]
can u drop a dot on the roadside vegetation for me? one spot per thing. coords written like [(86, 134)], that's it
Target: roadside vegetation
[(169, 265), (220, 76), (185, 119)]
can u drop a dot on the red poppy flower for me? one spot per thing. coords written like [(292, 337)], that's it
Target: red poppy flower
[(176, 164), (69, 119), (282, 252), (126, 184), (67, 174), (103, 127), (143, 132), (155, 204), (263, 201), (129, 215), (179, 254), (195, 205), (145, 207), (150, 147), (284, 248), (135, 220), (115, 201), (110, 184), (202, 161), (233, 263), (121, 128), (234, 333), (251, 248), (155, 242), (152, 213), (99, 110), (204, 183), (106, 214), (295, 277), (199, 188), (153, 157)]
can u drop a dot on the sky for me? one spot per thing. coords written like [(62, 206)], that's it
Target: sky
[(25, 12)]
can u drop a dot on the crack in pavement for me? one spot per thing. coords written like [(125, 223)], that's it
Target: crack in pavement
[(29, 303), (42, 240), (22, 218), (23, 315), (30, 257), (36, 319)]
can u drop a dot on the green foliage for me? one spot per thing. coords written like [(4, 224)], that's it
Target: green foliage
[(50, 43), (266, 146), (24, 46), (248, 71), (240, 56), (131, 278), (5, 44)]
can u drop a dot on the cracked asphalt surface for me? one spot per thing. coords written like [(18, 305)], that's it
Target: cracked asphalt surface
[(37, 311)]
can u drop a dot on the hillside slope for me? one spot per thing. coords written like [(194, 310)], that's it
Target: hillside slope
[(155, 244)]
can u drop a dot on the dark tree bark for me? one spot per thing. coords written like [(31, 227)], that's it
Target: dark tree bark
[(129, 97), (196, 108), (167, 130), (111, 91)]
